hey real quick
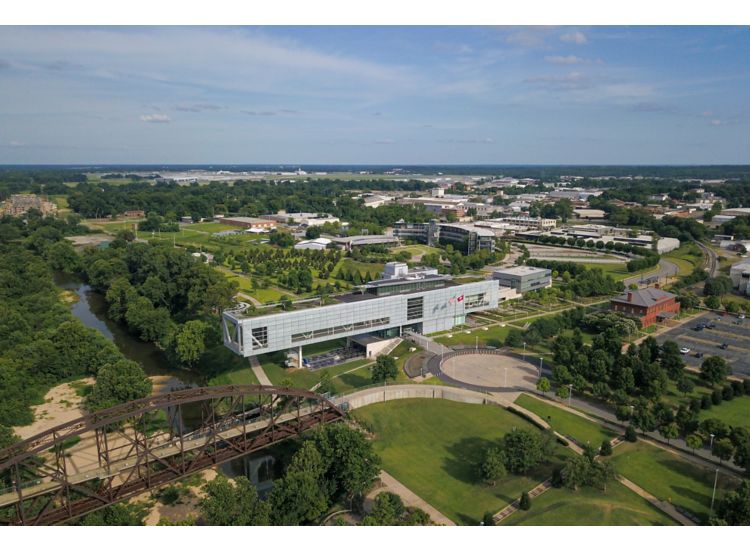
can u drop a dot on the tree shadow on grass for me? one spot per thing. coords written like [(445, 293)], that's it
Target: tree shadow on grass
[(355, 379), (464, 457)]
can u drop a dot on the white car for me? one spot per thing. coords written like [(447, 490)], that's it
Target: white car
[(684, 351), (741, 316)]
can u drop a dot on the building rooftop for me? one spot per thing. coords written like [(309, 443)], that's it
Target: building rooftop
[(521, 270), (247, 219), (645, 297)]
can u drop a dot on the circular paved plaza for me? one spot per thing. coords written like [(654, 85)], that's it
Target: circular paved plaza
[(491, 372)]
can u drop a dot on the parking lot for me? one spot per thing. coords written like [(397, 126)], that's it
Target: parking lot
[(709, 340)]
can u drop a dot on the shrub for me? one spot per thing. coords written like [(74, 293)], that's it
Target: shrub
[(525, 502), (706, 402), (606, 448), (630, 434), (746, 385), (738, 388), (716, 397), (557, 478), (727, 393)]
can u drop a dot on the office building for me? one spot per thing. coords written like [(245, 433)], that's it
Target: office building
[(523, 278)]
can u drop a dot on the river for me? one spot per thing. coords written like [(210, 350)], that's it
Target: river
[(91, 309)]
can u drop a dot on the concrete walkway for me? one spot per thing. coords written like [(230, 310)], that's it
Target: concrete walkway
[(260, 374), (665, 507), (392, 485)]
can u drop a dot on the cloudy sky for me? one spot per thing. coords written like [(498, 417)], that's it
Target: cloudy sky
[(391, 95)]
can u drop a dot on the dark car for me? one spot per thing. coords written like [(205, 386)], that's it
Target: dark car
[(711, 325), (698, 355), (724, 345)]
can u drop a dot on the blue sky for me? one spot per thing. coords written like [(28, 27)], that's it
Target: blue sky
[(390, 95)]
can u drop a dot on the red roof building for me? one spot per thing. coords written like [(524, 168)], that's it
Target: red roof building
[(649, 305)]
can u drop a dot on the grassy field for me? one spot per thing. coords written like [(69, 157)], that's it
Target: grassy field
[(243, 375), (735, 412), (566, 423), (493, 336), (686, 258), (303, 378), (587, 506), (433, 447), (670, 477)]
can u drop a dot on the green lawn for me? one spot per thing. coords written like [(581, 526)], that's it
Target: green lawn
[(587, 506), (493, 336), (566, 423), (735, 412), (303, 378), (434, 446), (244, 375), (670, 477)]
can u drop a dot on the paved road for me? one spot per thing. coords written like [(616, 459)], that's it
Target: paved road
[(666, 270)]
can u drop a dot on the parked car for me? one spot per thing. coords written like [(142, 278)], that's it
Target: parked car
[(698, 355), (724, 345), (741, 316), (684, 351), (711, 325)]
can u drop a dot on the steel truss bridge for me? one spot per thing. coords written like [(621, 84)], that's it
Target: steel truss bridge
[(117, 453)]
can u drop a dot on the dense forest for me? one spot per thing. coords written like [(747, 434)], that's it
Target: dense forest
[(41, 343)]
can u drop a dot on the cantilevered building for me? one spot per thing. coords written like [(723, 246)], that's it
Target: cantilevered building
[(421, 302)]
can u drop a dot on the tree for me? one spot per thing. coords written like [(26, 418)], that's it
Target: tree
[(630, 434), (543, 385), (735, 508), (694, 442), (562, 391), (669, 431), (234, 502), (118, 382), (575, 472), (388, 509), (514, 338), (606, 448), (523, 450), (714, 370), (671, 360), (713, 302), (384, 368), (188, 342), (301, 495), (685, 385), (120, 514), (492, 467), (723, 448), (488, 519), (525, 502)]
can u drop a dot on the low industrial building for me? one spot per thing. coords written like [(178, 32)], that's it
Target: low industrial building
[(321, 243), (385, 308), (523, 278), (250, 223), (740, 275), (648, 305), (465, 237)]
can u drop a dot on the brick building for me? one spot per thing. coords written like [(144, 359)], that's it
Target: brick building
[(649, 305)]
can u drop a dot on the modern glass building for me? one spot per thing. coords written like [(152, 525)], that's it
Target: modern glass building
[(384, 308), (464, 237)]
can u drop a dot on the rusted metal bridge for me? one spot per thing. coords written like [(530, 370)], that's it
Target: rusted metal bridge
[(117, 453)]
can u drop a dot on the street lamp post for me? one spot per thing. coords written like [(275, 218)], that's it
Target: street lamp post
[(541, 364), (524, 351), (476, 343), (711, 446), (506, 377), (713, 495), (570, 394)]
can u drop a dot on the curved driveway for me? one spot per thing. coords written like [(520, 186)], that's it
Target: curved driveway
[(666, 269)]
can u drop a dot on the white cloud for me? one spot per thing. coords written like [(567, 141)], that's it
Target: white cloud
[(564, 59), (155, 118), (576, 37)]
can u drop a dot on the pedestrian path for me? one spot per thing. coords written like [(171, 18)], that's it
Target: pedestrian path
[(260, 374)]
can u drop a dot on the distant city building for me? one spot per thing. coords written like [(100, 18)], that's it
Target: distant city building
[(523, 278), (527, 222), (18, 205), (648, 305), (589, 214), (466, 237), (250, 223)]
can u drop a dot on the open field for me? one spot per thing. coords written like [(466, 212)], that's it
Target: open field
[(735, 412), (244, 375), (492, 336), (670, 477), (587, 506), (433, 447), (567, 423)]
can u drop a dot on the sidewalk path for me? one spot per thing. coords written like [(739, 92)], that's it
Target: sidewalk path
[(392, 485), (260, 374), (665, 507)]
